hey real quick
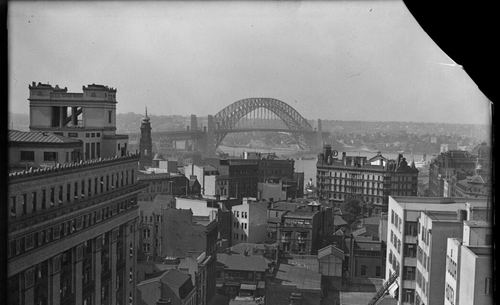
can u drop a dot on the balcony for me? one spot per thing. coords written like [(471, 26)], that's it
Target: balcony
[(410, 261), (409, 239), (409, 284)]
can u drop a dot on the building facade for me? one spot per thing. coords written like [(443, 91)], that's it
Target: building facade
[(181, 235), (249, 222), (299, 232), (41, 149), (89, 117), (238, 177), (435, 227), (468, 277), (403, 236), (72, 233), (372, 180)]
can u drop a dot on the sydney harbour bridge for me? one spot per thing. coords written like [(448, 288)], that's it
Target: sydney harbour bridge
[(246, 115)]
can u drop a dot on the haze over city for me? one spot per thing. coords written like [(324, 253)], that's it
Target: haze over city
[(367, 61)]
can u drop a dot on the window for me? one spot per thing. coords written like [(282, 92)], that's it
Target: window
[(87, 135), (363, 269), (378, 271), (110, 113), (87, 151), (488, 285), (49, 156), (24, 203), (33, 202), (27, 156), (13, 207), (73, 134)]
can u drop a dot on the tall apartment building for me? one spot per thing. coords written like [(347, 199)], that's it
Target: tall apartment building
[(372, 180), (72, 233), (403, 236), (469, 276), (89, 117), (435, 227)]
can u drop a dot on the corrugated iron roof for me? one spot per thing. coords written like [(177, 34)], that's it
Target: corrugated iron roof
[(38, 137)]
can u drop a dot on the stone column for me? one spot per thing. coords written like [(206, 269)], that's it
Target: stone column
[(74, 118), (29, 282), (62, 116), (56, 280), (97, 268), (78, 274), (112, 289)]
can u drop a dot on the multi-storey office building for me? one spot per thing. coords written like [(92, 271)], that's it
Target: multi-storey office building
[(372, 180), (161, 183), (445, 165), (468, 266), (238, 177), (402, 234), (435, 227), (72, 233), (299, 232), (89, 116), (271, 165), (249, 222)]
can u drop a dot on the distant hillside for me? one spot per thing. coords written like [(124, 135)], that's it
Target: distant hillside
[(18, 121)]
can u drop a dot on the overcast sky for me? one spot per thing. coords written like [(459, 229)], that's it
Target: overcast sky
[(354, 60)]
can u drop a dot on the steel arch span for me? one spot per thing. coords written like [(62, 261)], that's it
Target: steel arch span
[(227, 118)]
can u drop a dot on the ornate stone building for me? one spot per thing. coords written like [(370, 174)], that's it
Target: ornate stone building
[(72, 233), (371, 180)]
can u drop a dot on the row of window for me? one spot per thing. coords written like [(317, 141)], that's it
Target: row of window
[(396, 220), (243, 214), (70, 192), (450, 294), (349, 175), (37, 239), (243, 236), (422, 283), (423, 258), (236, 225), (48, 156), (396, 242), (451, 266), (241, 275)]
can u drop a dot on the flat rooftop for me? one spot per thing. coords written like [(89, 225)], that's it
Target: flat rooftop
[(442, 215), (481, 250), (478, 224)]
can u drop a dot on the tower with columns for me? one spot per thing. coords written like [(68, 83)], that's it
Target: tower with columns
[(89, 117)]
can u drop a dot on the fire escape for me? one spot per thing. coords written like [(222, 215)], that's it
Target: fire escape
[(382, 291)]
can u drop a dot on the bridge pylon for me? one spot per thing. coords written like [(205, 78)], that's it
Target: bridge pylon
[(210, 134), (319, 136)]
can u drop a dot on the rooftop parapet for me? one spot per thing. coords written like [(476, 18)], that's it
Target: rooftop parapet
[(69, 166)]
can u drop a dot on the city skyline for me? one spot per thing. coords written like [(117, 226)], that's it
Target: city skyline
[(328, 60)]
